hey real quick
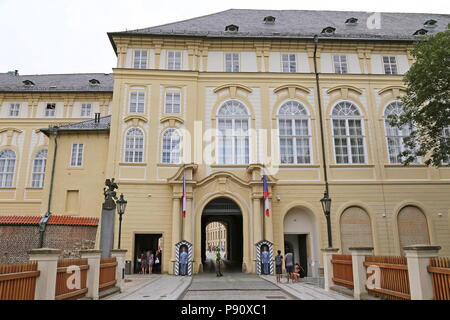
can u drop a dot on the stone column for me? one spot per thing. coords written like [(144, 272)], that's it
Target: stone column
[(47, 260), (420, 281), (359, 271), (107, 231), (176, 228), (93, 276), (257, 216), (119, 254), (328, 266)]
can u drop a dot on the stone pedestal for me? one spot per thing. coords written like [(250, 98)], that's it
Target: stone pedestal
[(328, 266), (93, 276), (47, 260), (119, 254), (420, 281), (107, 232), (359, 271)]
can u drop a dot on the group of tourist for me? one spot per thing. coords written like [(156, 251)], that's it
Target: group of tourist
[(149, 262), (293, 271)]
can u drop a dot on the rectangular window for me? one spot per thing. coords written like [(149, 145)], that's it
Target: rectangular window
[(14, 109), (86, 109), (340, 64), (390, 65), (174, 60), (172, 102), (140, 59), (137, 102), (77, 155), (288, 62), (231, 62), (50, 109)]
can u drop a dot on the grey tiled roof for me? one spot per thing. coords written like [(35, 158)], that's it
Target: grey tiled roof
[(87, 125), (77, 82), (298, 24)]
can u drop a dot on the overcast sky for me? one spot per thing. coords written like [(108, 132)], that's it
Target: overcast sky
[(69, 36)]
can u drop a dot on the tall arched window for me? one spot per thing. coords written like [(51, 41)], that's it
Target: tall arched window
[(395, 136), (7, 165), (233, 133), (37, 177), (293, 128), (134, 145), (348, 133), (171, 146)]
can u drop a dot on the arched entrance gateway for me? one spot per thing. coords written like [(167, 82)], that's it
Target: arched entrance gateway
[(226, 212)]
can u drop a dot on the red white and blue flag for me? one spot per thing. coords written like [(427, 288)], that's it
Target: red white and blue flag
[(266, 196), (184, 196)]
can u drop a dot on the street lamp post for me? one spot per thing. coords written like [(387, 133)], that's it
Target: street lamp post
[(326, 206), (121, 205)]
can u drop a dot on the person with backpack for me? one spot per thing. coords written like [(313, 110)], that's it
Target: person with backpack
[(278, 266)]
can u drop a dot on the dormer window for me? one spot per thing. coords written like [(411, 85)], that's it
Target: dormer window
[(28, 83), (430, 24), (329, 31), (420, 32), (232, 28), (351, 21), (269, 20), (94, 82)]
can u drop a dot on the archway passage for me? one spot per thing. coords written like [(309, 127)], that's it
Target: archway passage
[(227, 213)]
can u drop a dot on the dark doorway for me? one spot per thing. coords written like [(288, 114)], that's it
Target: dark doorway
[(144, 243), (227, 212), (303, 254), (297, 244)]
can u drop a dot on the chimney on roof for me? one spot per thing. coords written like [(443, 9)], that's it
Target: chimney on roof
[(97, 117)]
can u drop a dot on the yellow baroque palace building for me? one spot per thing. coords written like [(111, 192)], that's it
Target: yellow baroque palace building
[(222, 100)]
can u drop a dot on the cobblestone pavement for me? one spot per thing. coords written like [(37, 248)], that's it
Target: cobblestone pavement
[(233, 286), (152, 287), (306, 291)]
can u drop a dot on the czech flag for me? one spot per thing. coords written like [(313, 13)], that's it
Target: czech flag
[(184, 195), (266, 195)]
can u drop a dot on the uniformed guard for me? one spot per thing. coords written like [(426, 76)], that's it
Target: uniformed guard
[(218, 263), (183, 261), (265, 259)]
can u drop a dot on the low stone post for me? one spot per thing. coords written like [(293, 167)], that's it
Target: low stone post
[(420, 281), (359, 271), (119, 254), (93, 276), (47, 264), (328, 266)]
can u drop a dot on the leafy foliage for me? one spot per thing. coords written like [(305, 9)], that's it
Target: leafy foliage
[(427, 102)]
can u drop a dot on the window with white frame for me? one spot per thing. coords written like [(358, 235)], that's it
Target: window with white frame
[(140, 59), (137, 102), (233, 133), (76, 160), (39, 162), (14, 109), (395, 136), (294, 134), (171, 146), (86, 109), (7, 166), (390, 64), (288, 62), (348, 135), (231, 62), (340, 64), (174, 60), (173, 102), (134, 145), (50, 109)]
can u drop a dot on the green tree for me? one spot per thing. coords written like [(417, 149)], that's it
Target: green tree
[(427, 102)]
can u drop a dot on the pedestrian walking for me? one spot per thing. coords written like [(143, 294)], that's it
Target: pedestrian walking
[(289, 264), (158, 261), (144, 264), (278, 266), (218, 263), (151, 261)]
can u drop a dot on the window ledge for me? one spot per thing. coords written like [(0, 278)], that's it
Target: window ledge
[(398, 165), (133, 164), (232, 166), (75, 168), (352, 165), (8, 189), (299, 166), (170, 165), (34, 188)]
